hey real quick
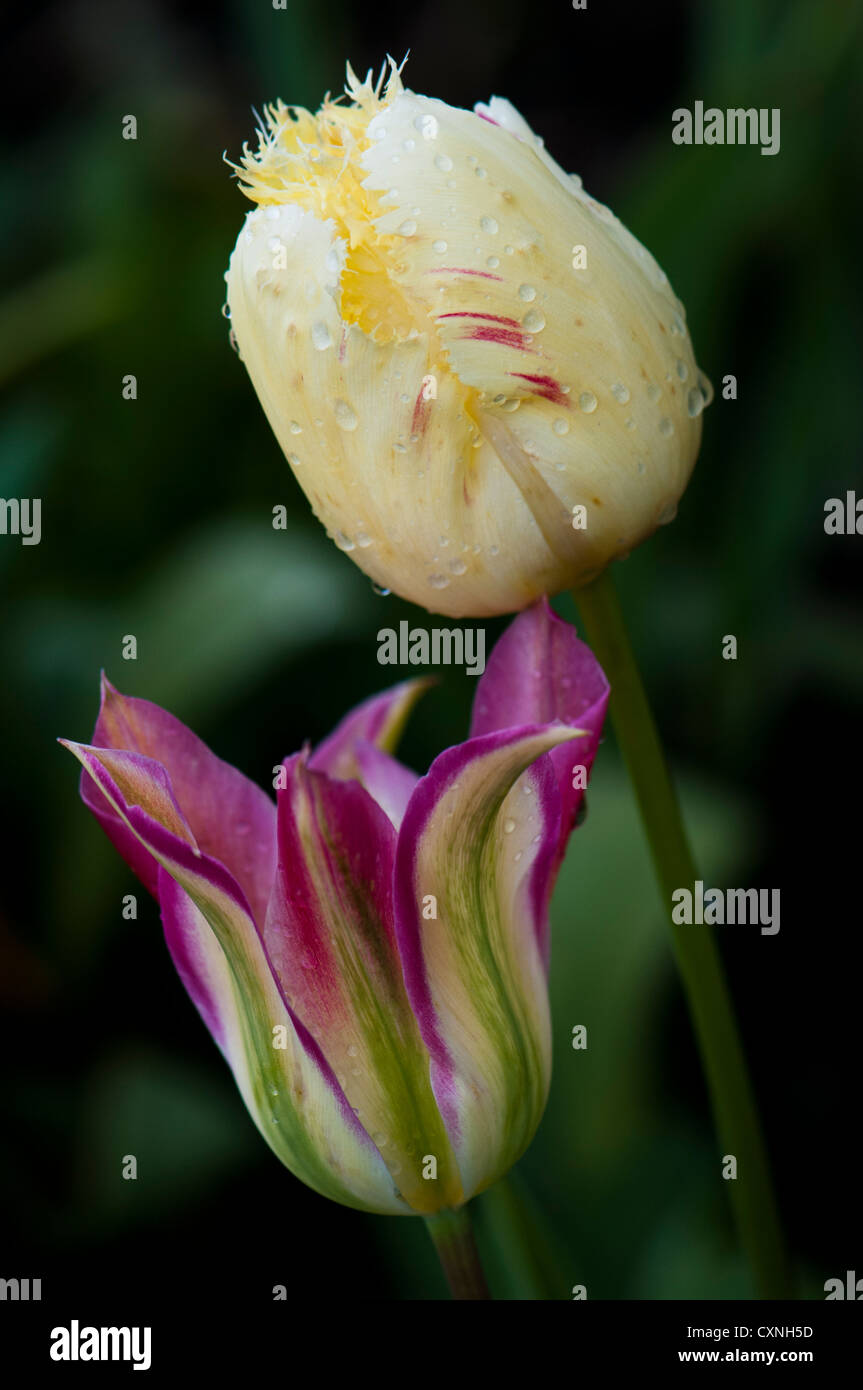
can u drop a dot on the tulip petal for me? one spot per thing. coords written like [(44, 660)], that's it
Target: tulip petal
[(330, 936), (230, 817), (290, 1090), (378, 720), (539, 672), (387, 780), (540, 332), (473, 969)]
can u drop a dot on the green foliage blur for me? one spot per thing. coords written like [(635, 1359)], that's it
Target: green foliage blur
[(156, 521)]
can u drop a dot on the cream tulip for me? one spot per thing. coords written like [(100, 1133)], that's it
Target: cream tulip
[(482, 381)]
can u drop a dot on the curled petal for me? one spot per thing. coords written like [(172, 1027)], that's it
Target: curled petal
[(287, 1084), (231, 818), (466, 907)]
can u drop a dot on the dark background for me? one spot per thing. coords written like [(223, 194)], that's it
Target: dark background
[(156, 518)]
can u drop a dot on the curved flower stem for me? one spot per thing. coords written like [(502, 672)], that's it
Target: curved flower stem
[(728, 1082), (453, 1238)]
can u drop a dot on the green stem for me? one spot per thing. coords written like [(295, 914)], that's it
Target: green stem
[(454, 1242), (710, 1006)]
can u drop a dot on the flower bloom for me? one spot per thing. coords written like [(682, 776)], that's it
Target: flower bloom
[(370, 953), (483, 382)]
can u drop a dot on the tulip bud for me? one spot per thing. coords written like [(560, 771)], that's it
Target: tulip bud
[(482, 381)]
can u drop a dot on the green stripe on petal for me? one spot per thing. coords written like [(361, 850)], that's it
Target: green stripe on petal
[(474, 971), (286, 1083), (330, 935)]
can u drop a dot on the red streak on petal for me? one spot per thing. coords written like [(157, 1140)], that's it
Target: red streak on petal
[(484, 117), (469, 314), (506, 337), (459, 270), (422, 409), (545, 386), (343, 344)]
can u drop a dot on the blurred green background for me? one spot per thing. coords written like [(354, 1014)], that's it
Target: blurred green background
[(156, 520)]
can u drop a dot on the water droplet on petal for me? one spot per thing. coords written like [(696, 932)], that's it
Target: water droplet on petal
[(527, 293), (438, 581), (321, 336), (364, 541), (694, 403), (508, 826), (439, 246), (408, 227), (533, 321), (682, 369), (561, 426), (295, 428), (493, 262), (665, 426), (346, 416), (457, 566), (343, 542), (653, 392), (489, 224), (668, 513), (620, 392), (443, 162), (587, 402)]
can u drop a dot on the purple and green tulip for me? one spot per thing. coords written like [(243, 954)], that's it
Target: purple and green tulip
[(370, 953)]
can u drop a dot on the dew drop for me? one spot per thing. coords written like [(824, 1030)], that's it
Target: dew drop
[(381, 593), (364, 540), (439, 246), (587, 402), (508, 826), (694, 403), (561, 426), (438, 581), (493, 262), (653, 392), (517, 856), (488, 224), (667, 514), (409, 145), (294, 460), (408, 227), (527, 293), (509, 250), (677, 326), (665, 426), (352, 1051), (630, 424), (346, 416), (321, 337), (457, 567), (682, 369), (343, 542), (443, 162), (620, 392), (481, 173), (295, 428), (226, 311), (705, 388), (534, 321), (512, 404)]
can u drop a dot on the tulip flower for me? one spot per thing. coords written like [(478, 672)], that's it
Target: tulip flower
[(370, 953), (482, 381)]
